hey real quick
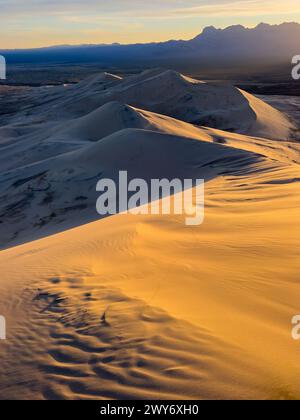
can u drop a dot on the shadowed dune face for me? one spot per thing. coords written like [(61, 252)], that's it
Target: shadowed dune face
[(144, 307)]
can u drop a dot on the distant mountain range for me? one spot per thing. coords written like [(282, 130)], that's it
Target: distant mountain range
[(234, 46)]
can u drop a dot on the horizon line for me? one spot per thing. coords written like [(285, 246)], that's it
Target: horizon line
[(151, 42)]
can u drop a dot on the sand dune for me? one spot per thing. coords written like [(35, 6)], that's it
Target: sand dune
[(217, 105), (144, 307), (50, 139), (50, 184), (108, 311), (60, 192)]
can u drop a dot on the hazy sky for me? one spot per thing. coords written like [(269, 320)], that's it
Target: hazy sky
[(34, 23)]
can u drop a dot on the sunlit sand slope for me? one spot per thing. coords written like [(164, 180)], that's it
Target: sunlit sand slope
[(108, 310)]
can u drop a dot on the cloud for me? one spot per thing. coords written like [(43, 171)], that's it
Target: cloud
[(240, 8), (140, 8)]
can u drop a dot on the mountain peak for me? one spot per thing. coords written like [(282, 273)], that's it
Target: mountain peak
[(263, 26), (209, 30), (212, 31), (235, 28)]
